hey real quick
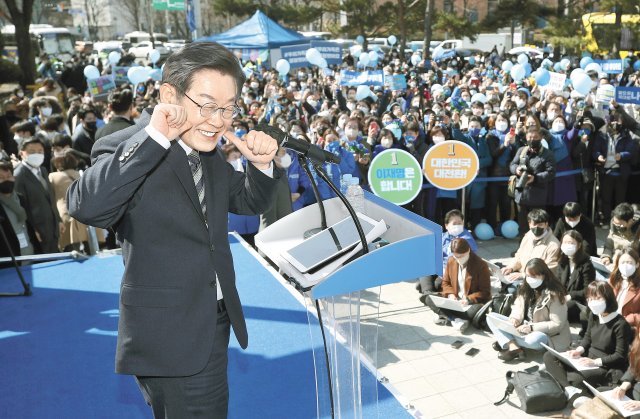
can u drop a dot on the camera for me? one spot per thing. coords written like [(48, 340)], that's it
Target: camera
[(524, 177)]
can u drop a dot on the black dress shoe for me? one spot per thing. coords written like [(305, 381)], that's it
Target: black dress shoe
[(508, 355), (496, 347)]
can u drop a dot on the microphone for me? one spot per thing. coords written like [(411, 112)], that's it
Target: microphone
[(303, 147)]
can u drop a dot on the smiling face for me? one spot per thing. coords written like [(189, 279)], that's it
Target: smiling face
[(207, 86)]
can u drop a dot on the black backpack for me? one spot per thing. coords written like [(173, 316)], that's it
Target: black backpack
[(500, 304)]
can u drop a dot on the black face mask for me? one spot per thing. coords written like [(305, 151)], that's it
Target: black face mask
[(538, 231), (6, 187), (91, 126), (618, 229), (535, 145)]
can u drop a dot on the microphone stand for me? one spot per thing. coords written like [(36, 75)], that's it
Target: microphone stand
[(25, 284), (323, 216)]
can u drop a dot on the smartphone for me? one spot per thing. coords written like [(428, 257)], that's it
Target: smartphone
[(512, 131), (472, 352), (374, 125), (522, 118), (457, 344)]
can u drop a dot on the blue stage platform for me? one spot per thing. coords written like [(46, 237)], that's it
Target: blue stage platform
[(57, 347)]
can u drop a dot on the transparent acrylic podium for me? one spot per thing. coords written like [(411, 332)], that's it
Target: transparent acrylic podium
[(346, 296)]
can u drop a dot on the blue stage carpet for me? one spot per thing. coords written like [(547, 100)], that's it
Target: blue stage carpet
[(57, 347)]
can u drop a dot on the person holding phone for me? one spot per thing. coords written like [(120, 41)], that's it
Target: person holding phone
[(539, 313), (629, 384)]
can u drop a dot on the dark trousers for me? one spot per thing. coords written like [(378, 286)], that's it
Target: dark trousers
[(497, 196), (600, 377), (451, 314), (203, 395), (613, 190)]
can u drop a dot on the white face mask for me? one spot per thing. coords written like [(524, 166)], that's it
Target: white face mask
[(519, 103), (254, 85), (386, 142), (312, 102), (351, 133), (534, 282), (501, 126), (455, 229), (597, 307), (557, 127), (569, 249), (572, 224), (342, 122), (351, 106), (477, 111), (438, 139), (463, 260), (627, 269), (285, 161), (371, 141), (46, 112), (551, 116), (35, 159)]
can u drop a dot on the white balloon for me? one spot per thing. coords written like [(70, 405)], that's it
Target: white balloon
[(437, 52), (323, 63), (364, 59), (283, 66), (415, 59), (392, 40), (91, 72), (356, 50), (436, 87), (593, 67), (575, 73), (479, 97), (114, 57), (362, 92), (313, 56), (138, 75), (523, 59), (373, 56), (154, 55)]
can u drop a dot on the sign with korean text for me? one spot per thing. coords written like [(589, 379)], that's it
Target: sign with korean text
[(100, 87), (605, 93), (628, 95), (171, 5), (356, 78), (451, 165), (120, 75), (395, 175), (610, 66), (330, 51), (396, 82), (556, 82), (296, 55)]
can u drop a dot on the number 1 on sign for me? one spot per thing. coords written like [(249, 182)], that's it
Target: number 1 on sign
[(452, 150), (394, 159)]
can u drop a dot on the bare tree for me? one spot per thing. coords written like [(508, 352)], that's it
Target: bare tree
[(22, 20), (133, 12), (93, 9)]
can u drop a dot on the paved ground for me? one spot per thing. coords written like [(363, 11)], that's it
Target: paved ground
[(430, 377)]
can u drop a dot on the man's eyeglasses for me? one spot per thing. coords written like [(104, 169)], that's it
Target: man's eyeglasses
[(209, 109)]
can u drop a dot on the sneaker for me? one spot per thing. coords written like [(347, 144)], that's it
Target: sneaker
[(441, 320), (580, 401), (460, 324), (571, 391)]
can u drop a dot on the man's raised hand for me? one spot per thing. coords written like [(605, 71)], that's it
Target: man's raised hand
[(170, 120), (255, 146)]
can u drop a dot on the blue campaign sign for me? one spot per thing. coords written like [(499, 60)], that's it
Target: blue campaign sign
[(296, 55), (628, 95), (356, 78), (396, 82), (610, 66), (330, 51)]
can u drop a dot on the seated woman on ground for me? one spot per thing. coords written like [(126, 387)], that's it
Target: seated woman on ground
[(539, 314), (629, 384), (466, 279), (625, 280), (605, 345)]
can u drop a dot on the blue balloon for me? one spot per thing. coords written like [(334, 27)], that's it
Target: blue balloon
[(636, 65), (360, 39), (557, 66), (527, 68), (483, 231), (472, 61), (585, 61), (509, 229), (547, 63), (506, 66), (543, 77)]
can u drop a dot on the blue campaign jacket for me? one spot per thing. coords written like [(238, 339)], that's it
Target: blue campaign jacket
[(298, 182)]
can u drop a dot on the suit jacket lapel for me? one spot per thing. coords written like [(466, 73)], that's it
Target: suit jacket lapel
[(178, 161), (210, 170), (35, 180)]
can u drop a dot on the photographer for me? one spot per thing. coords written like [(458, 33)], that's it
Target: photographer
[(535, 168)]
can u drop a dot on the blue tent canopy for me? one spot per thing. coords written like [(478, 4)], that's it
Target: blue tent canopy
[(259, 32)]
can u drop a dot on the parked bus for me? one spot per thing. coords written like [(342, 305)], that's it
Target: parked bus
[(56, 42), (598, 32)]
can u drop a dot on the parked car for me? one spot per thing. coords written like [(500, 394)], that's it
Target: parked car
[(174, 44), (142, 49)]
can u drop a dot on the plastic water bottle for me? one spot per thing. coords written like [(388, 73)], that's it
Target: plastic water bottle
[(345, 182), (355, 195)]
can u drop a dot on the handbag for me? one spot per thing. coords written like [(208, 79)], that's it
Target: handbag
[(538, 391), (513, 179), (500, 304), (594, 409)]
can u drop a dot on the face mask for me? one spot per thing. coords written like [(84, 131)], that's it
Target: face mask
[(474, 132), (519, 103), (569, 249), (6, 187), (558, 127), (35, 159), (585, 131), (466, 99), (351, 106), (303, 86), (397, 132), (240, 132), (386, 142), (455, 229), (618, 229), (255, 85), (597, 307), (535, 145), (534, 282), (409, 139), (46, 112), (463, 260), (91, 126), (572, 224), (627, 269), (501, 126), (285, 161), (20, 94), (351, 133), (551, 116), (513, 121), (312, 102), (438, 139), (364, 109), (538, 231), (477, 111), (342, 122), (58, 154)]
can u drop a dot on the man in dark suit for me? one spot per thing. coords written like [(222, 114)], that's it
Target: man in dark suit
[(167, 189), (121, 104), (84, 135), (32, 182)]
